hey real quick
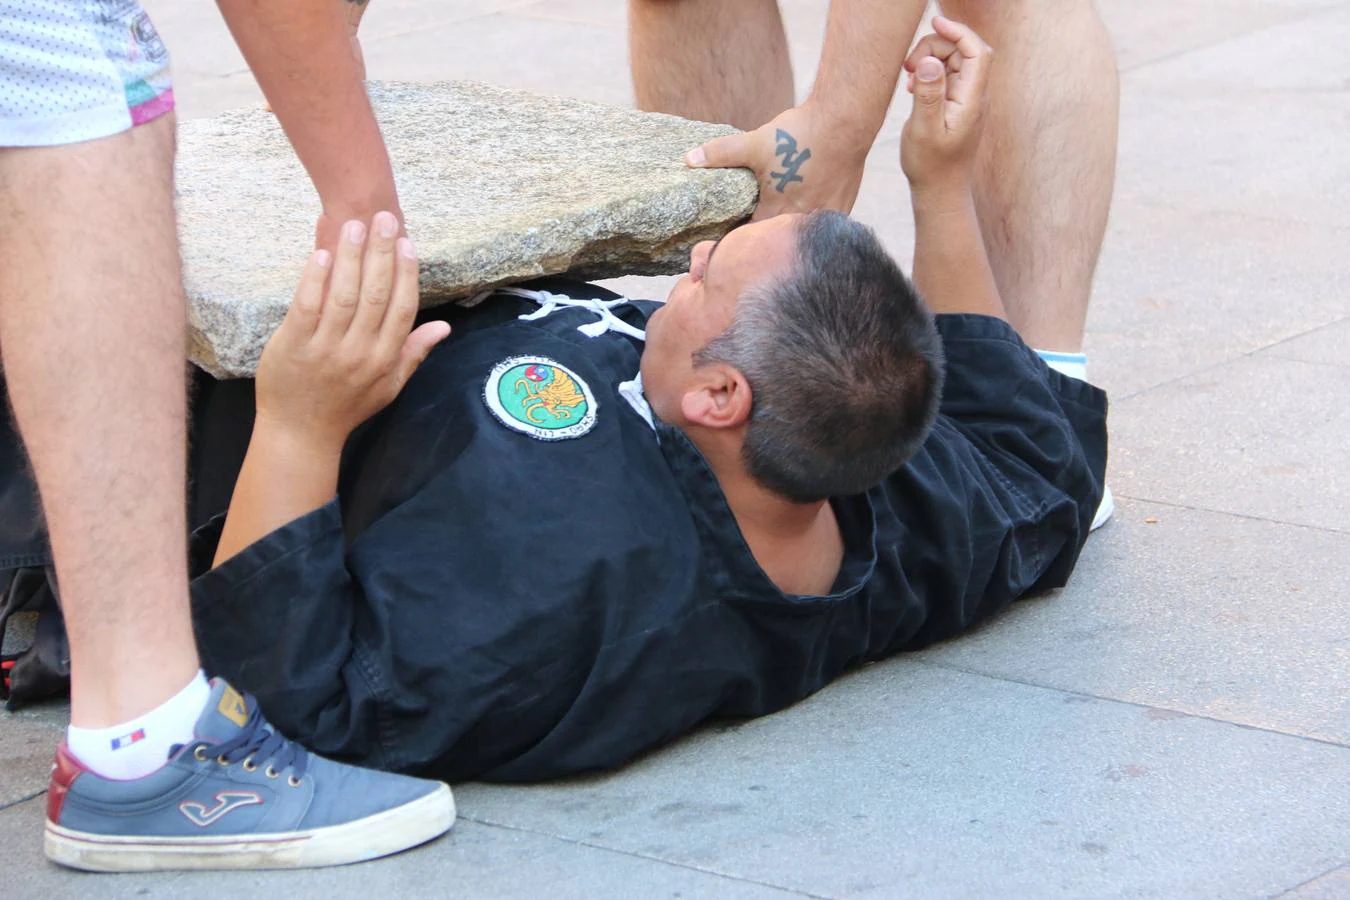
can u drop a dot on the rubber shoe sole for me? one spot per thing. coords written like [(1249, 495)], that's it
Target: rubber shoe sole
[(1105, 510), (382, 834)]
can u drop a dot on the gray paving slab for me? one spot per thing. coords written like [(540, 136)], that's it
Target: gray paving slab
[(1232, 143), (884, 202), (1259, 436), (569, 59), (1331, 886), (1192, 611), (1298, 53), (1146, 31), (1329, 345), (201, 45), (389, 18), (1180, 290), (913, 780), (200, 97), (28, 740), (199, 42), (474, 860)]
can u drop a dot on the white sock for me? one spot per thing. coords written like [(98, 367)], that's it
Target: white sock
[(1072, 364), (136, 748)]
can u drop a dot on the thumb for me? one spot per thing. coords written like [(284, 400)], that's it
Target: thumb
[(418, 345), (734, 151), (930, 90)]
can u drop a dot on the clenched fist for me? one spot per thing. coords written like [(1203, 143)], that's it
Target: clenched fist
[(948, 73)]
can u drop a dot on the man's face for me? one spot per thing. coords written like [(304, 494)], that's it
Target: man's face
[(702, 304)]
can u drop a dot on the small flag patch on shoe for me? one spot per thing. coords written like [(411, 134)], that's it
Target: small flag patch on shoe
[(127, 740)]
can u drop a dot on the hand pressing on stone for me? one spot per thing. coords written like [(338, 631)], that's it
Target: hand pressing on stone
[(804, 160), (346, 346)]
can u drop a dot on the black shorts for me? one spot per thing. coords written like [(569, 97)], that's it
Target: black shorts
[(1044, 430), (998, 502)]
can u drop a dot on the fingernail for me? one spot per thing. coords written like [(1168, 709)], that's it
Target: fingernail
[(322, 258), (387, 224), (695, 157), (356, 232), (929, 69), (406, 248)]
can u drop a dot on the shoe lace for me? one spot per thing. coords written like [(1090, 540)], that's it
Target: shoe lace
[(259, 740)]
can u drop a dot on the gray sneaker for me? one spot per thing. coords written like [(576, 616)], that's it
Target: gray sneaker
[(240, 796)]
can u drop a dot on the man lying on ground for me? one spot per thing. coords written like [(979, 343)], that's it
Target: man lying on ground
[(532, 562), (519, 569)]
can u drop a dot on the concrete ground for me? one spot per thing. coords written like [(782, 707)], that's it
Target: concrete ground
[(1175, 723)]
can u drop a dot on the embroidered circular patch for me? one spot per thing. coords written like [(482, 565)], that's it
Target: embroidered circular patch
[(537, 396)]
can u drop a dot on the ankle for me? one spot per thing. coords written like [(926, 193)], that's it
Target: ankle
[(107, 695), (139, 745)]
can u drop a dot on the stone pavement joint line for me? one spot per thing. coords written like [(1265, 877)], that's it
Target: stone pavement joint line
[(965, 670), (643, 856), (1258, 351), (1223, 512), (19, 800)]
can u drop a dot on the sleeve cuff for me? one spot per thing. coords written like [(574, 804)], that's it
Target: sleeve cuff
[(972, 328), (226, 605)]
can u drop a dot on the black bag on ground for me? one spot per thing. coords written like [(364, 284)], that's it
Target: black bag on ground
[(34, 652)]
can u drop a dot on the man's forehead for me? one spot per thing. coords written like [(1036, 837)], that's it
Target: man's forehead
[(757, 249)]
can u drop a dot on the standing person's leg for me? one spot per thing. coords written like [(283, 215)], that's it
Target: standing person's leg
[(1047, 161), (162, 769), (711, 60), (92, 333)]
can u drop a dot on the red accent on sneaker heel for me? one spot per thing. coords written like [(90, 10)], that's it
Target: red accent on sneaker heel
[(65, 770)]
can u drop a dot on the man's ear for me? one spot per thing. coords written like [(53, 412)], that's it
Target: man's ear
[(719, 397)]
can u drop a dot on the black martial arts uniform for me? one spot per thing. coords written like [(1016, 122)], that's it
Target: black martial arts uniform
[(490, 598)]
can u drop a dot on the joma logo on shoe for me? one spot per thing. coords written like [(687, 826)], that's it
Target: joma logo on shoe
[(226, 802)]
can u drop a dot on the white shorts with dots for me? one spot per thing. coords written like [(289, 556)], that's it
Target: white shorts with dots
[(76, 70)]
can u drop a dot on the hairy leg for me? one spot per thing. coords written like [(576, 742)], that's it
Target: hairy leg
[(92, 334), (712, 60), (1046, 169)]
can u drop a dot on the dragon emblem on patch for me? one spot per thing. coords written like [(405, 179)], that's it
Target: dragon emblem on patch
[(540, 397)]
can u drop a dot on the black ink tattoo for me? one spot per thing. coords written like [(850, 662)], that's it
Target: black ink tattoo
[(792, 160)]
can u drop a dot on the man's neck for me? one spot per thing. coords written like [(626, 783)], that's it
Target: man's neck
[(798, 545)]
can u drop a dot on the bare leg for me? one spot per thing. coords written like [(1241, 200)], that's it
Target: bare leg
[(712, 60), (92, 333), (1047, 164)]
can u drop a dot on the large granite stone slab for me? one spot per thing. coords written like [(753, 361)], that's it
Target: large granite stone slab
[(498, 186)]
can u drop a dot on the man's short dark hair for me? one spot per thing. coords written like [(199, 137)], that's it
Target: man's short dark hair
[(844, 364)]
